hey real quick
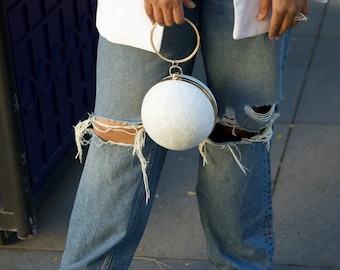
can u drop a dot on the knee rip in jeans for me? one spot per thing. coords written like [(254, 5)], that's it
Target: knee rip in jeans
[(228, 134), (115, 133), (133, 135)]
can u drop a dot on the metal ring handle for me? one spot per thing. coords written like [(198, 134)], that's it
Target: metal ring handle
[(177, 61)]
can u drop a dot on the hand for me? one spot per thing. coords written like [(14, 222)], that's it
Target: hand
[(283, 13), (167, 12)]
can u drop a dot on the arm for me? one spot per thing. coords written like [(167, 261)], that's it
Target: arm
[(283, 13), (167, 12)]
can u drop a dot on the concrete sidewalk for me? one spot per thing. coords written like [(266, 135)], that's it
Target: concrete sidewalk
[(305, 168)]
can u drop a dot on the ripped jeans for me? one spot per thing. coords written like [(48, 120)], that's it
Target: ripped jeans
[(234, 181)]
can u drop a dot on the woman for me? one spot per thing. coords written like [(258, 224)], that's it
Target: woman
[(243, 66)]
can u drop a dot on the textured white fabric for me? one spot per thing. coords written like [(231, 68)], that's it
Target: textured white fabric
[(125, 22), (178, 115), (246, 23)]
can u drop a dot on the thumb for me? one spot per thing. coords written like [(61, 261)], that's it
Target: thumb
[(189, 4), (264, 9)]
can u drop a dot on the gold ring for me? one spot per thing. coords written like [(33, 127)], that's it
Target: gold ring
[(177, 61)]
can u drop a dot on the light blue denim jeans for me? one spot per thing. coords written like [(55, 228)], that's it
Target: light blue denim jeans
[(234, 184)]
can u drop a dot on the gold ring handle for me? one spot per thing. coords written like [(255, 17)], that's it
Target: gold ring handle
[(177, 61)]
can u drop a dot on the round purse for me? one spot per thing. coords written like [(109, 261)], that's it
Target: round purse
[(180, 111)]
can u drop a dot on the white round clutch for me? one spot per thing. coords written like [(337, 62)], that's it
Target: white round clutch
[(180, 111)]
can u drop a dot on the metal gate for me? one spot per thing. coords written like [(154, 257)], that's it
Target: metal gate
[(47, 84)]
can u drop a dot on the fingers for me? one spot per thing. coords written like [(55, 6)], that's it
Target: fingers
[(280, 24), (176, 16), (149, 11), (170, 12), (167, 12), (283, 13), (305, 9), (189, 4), (265, 6)]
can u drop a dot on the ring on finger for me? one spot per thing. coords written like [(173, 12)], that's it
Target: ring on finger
[(300, 18)]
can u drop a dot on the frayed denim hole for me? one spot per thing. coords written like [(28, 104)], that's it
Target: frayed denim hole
[(142, 191), (87, 127), (259, 116), (229, 146)]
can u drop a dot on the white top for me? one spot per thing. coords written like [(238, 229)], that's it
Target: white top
[(125, 22)]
